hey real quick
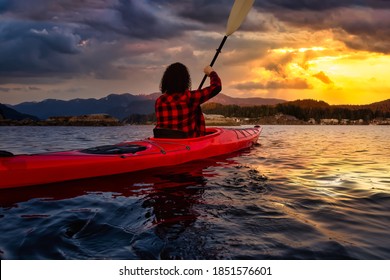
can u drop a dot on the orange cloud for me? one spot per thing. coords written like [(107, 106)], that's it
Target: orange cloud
[(295, 83), (323, 77)]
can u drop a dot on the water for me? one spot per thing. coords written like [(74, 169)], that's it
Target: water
[(306, 192)]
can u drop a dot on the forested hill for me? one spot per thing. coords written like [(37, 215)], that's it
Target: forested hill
[(383, 106), (308, 103), (9, 113), (304, 110)]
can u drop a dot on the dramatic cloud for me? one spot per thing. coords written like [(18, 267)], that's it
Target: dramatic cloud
[(296, 83), (278, 64), (45, 49), (69, 38), (124, 45), (204, 11), (361, 25), (141, 19), (319, 5)]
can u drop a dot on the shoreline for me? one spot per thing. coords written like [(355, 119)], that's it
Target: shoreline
[(211, 120)]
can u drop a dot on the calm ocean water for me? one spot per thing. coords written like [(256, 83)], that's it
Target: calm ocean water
[(305, 192)]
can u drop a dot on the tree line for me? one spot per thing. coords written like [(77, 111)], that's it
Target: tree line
[(301, 109), (301, 112)]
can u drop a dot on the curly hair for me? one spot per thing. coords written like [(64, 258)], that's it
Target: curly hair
[(176, 79)]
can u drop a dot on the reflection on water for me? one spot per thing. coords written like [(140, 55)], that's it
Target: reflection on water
[(306, 192)]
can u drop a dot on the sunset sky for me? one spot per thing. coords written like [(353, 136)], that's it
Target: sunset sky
[(337, 50)]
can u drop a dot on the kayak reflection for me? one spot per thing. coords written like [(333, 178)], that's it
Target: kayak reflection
[(148, 210), (130, 184)]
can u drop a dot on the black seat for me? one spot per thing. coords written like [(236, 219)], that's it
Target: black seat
[(115, 149), (6, 154), (169, 133)]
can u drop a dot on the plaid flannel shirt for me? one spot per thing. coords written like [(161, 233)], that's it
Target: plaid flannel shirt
[(181, 111)]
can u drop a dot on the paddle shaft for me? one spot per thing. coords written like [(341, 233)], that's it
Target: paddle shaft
[(214, 59), (237, 15)]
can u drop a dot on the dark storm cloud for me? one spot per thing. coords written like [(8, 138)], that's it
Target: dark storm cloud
[(319, 5), (49, 9), (37, 47), (140, 19), (146, 20), (4, 5), (361, 25), (204, 11), (68, 38)]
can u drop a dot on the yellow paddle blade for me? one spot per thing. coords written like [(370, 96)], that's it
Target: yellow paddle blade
[(237, 15)]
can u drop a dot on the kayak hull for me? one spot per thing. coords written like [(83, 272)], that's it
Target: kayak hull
[(38, 169)]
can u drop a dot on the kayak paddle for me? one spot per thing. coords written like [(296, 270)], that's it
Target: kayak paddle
[(237, 15)]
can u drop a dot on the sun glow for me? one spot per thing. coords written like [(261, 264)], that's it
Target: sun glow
[(338, 75)]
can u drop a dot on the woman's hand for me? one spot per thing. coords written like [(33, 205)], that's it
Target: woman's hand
[(207, 70)]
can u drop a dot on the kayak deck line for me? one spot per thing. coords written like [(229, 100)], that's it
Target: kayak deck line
[(156, 143), (243, 132), (125, 157)]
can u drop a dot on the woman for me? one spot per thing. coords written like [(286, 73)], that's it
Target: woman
[(178, 108)]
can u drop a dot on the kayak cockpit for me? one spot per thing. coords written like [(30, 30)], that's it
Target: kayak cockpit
[(115, 149), (169, 133), (175, 134), (162, 133)]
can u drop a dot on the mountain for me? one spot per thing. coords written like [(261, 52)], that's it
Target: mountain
[(11, 114), (383, 106), (113, 104), (121, 106), (308, 103), (117, 105), (142, 107), (124, 105)]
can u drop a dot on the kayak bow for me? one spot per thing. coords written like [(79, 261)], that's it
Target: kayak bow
[(44, 168)]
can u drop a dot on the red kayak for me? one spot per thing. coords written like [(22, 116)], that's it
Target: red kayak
[(37, 169)]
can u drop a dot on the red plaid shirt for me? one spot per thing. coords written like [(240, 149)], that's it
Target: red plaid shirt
[(181, 111)]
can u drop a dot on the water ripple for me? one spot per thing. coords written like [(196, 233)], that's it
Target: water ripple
[(309, 192)]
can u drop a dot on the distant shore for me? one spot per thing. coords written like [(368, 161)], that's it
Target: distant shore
[(261, 121), (211, 120), (282, 119), (84, 120)]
